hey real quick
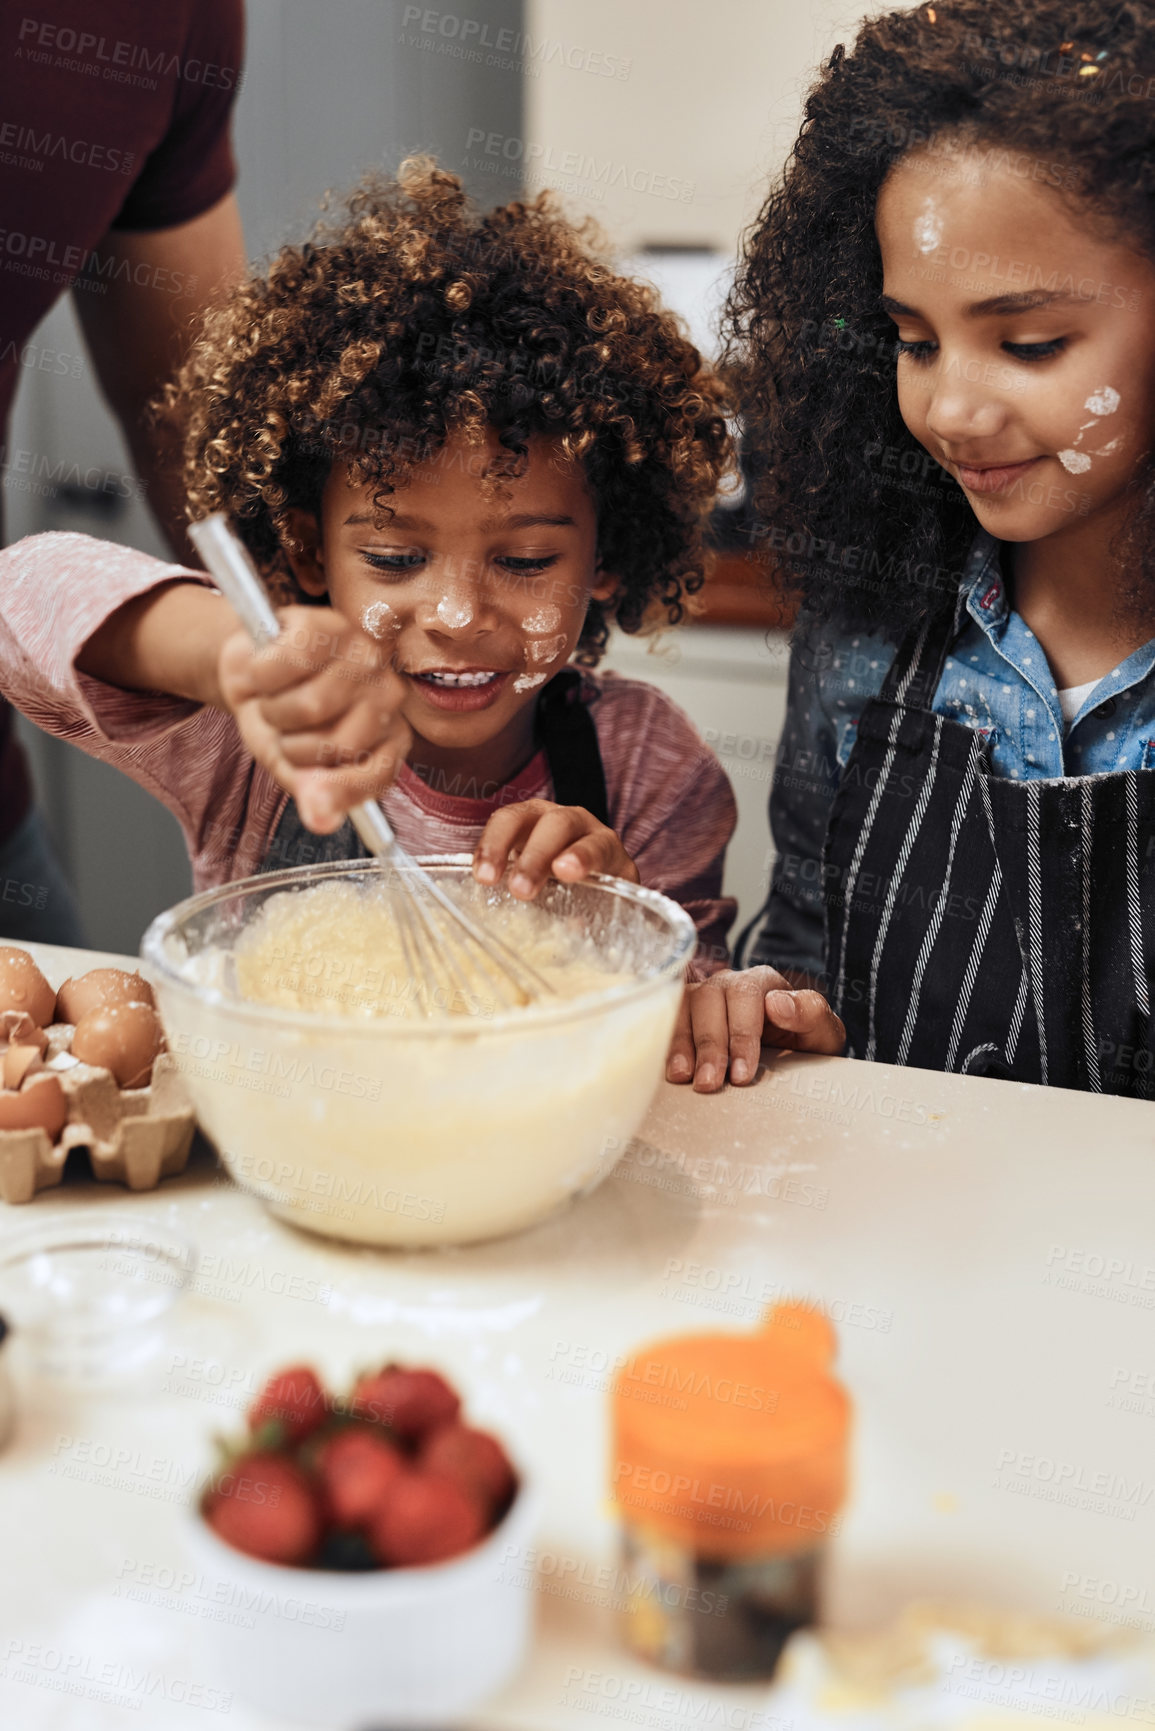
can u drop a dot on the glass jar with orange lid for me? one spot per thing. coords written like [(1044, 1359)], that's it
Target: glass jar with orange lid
[(729, 1471)]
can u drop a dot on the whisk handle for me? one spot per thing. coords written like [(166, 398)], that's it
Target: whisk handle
[(374, 828), (227, 559)]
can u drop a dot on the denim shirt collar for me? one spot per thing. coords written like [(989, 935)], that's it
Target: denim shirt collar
[(1011, 638), (985, 588)]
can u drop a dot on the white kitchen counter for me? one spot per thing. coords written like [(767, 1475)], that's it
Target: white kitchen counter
[(985, 1249)]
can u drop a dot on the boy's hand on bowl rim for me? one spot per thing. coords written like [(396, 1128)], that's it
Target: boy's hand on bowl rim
[(724, 1021), (319, 709), (562, 841)]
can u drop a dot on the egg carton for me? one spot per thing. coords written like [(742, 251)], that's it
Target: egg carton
[(134, 1136)]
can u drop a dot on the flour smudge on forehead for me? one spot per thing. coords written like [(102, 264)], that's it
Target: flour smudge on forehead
[(928, 227)]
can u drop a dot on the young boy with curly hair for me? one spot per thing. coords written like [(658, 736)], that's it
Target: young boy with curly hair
[(458, 447)]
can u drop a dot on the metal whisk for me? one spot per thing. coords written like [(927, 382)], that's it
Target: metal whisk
[(444, 948)]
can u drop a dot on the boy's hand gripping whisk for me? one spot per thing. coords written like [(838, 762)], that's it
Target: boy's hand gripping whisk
[(443, 947)]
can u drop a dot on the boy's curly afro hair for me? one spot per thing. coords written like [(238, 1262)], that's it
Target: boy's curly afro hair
[(411, 317), (1069, 84)]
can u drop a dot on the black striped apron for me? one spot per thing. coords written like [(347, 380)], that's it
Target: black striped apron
[(565, 730), (981, 924)]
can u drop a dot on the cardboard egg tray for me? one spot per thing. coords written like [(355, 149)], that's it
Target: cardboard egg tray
[(135, 1136)]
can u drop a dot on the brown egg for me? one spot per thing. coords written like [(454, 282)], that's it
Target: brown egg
[(23, 986), (18, 1028), (41, 1104), (125, 1038), (16, 1063), (99, 989)]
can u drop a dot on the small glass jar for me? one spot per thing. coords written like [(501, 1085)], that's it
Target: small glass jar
[(89, 1297), (729, 1473)]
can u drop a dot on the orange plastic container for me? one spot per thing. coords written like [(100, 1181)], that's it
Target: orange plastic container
[(729, 1472)]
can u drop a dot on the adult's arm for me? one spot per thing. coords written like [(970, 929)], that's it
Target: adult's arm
[(138, 332)]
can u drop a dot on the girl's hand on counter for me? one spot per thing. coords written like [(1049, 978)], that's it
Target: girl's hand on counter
[(562, 841), (725, 1021), (319, 709)]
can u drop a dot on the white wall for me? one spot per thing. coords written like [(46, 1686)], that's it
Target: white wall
[(708, 105)]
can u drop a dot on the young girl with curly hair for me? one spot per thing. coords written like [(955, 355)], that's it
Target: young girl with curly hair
[(458, 446), (945, 330)]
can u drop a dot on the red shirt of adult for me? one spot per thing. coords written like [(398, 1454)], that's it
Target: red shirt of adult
[(114, 114)]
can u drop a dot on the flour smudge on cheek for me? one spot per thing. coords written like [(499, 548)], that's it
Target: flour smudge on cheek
[(1101, 402), (543, 643), (539, 624), (379, 620), (1104, 401)]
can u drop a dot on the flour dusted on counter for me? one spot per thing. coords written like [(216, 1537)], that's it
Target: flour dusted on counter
[(966, 1668), (336, 949)]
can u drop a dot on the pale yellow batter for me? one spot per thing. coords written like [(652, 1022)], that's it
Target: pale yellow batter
[(336, 949)]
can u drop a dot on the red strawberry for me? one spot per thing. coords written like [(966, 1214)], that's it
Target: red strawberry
[(471, 1458), (410, 1402), (357, 1468), (425, 1520), (293, 1397), (264, 1505)]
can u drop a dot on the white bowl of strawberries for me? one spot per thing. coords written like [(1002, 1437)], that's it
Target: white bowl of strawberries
[(354, 1548)]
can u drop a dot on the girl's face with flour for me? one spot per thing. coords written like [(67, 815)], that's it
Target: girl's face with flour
[(1026, 337)]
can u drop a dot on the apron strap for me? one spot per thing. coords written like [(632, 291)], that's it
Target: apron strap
[(570, 740), (913, 676)]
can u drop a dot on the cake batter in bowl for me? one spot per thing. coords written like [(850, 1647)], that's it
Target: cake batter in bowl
[(329, 1093)]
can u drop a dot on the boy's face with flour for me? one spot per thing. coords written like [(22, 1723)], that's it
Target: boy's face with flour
[(1027, 342), (478, 596)]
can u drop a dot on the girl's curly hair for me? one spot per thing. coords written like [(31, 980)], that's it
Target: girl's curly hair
[(413, 316), (1068, 84)]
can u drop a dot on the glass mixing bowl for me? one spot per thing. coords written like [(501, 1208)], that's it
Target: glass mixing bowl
[(420, 1132)]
